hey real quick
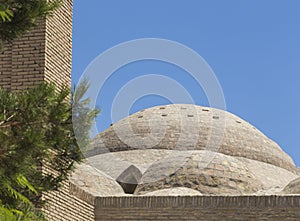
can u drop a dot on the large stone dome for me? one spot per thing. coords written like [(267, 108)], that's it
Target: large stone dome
[(191, 127), (190, 148)]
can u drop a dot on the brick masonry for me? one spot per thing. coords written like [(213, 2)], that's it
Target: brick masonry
[(198, 208), (134, 208), (43, 54), (63, 206)]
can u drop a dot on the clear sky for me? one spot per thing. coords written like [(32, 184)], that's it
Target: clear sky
[(252, 46)]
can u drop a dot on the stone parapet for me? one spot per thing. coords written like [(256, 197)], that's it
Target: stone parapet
[(248, 207), (198, 208)]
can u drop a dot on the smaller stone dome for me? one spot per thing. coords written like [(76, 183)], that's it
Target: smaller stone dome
[(95, 182), (222, 175), (117, 164), (293, 187)]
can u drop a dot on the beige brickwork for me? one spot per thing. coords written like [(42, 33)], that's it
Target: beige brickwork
[(63, 206), (58, 56), (43, 54), (198, 208)]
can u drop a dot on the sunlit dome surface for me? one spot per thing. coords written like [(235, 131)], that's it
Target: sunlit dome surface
[(191, 127), (184, 149)]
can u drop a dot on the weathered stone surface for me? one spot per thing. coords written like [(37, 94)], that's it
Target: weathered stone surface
[(220, 175), (109, 164), (204, 149), (177, 191), (273, 178), (115, 163), (293, 187), (171, 160), (95, 182), (190, 127)]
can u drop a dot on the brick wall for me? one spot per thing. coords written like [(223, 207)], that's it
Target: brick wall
[(175, 208), (62, 205), (58, 56), (198, 208), (44, 53)]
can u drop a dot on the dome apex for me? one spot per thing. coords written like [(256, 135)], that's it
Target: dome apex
[(191, 127)]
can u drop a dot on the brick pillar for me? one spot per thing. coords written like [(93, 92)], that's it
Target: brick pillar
[(43, 54)]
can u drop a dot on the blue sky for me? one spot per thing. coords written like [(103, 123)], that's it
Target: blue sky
[(252, 46)]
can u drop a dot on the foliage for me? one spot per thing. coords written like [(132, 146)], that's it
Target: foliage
[(36, 129), (5, 13), (19, 16), (83, 115)]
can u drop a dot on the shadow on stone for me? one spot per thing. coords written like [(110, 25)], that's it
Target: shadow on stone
[(129, 179)]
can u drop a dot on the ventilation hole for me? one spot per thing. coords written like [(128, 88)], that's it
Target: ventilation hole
[(215, 117), (162, 108), (239, 122), (140, 116), (164, 115), (190, 115), (205, 110)]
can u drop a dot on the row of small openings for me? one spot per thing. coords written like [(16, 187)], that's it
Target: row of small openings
[(163, 115), (182, 108), (162, 108), (191, 115)]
